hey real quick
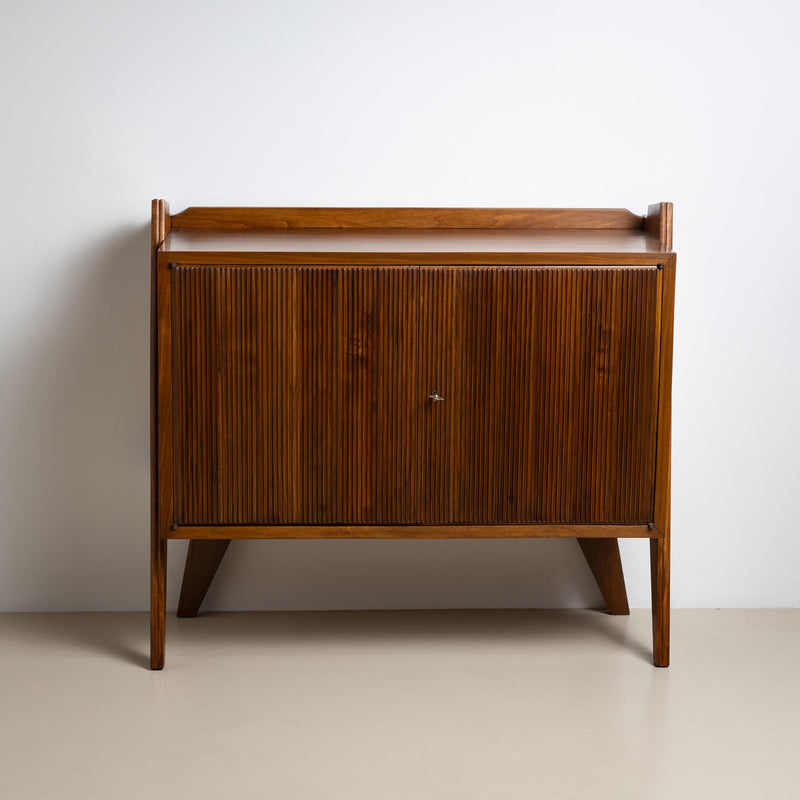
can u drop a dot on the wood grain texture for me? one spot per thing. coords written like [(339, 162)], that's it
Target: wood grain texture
[(659, 586), (202, 561), (297, 397), (158, 600), (660, 555), (294, 395), (248, 218), (549, 404), (159, 228), (602, 556), (658, 223), (164, 380), (663, 377), (560, 531), (294, 352)]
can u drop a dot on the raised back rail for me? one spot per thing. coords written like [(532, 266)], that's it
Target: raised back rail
[(657, 221)]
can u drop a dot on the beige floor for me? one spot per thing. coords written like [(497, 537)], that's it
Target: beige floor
[(418, 704)]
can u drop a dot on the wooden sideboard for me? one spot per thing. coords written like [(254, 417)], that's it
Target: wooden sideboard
[(411, 373)]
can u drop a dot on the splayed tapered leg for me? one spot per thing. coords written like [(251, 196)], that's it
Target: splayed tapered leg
[(603, 558), (202, 560)]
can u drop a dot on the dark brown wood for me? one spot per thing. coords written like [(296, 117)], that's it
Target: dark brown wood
[(158, 600), (202, 561), (604, 560), (160, 225), (164, 379), (159, 228), (537, 354), (664, 381), (294, 395), (659, 584), (562, 531), (658, 223), (296, 353), (660, 555), (248, 218), (549, 405)]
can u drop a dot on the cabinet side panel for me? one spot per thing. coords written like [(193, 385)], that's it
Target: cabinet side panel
[(549, 410)]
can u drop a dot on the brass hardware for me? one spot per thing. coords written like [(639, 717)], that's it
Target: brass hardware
[(435, 396)]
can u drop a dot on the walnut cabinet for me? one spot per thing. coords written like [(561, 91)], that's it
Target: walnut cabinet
[(411, 373)]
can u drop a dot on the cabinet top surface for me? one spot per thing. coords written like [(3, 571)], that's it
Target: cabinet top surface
[(415, 243)]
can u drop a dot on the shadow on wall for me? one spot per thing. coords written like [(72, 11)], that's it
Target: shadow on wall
[(77, 447), (76, 484)]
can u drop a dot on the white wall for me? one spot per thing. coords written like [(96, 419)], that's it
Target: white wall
[(106, 105)]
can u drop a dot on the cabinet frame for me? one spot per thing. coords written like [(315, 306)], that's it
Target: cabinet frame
[(566, 246)]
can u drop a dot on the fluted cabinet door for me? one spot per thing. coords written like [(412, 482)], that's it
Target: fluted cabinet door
[(293, 394), (549, 383)]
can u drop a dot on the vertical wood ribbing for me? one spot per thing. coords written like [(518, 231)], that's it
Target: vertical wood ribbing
[(357, 348), (550, 400), (294, 395), (301, 394)]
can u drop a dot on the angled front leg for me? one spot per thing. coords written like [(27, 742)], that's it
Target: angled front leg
[(603, 558), (202, 561)]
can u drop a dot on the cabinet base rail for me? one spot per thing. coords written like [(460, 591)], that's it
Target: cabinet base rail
[(463, 531)]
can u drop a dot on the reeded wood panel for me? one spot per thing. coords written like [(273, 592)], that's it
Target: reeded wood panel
[(549, 384), (285, 410), (356, 347)]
